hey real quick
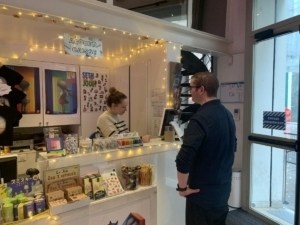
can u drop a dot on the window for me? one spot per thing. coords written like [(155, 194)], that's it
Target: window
[(275, 83), (174, 11), (267, 12)]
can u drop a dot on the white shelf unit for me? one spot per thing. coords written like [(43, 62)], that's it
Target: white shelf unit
[(158, 204)]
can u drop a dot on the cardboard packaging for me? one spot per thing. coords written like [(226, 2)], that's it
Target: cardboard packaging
[(64, 180), (98, 186)]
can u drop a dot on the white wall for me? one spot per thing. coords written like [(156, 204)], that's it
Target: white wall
[(228, 72), (235, 26), (156, 60), (231, 67)]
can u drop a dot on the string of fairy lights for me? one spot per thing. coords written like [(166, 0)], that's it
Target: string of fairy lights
[(83, 26), (148, 42)]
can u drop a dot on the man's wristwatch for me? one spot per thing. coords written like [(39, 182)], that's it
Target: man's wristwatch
[(180, 189)]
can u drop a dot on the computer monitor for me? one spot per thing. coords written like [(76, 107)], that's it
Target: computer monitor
[(8, 167), (169, 119)]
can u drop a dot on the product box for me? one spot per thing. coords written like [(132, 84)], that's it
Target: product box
[(73, 191), (27, 186), (98, 186), (78, 197), (55, 147), (40, 205), (66, 179), (87, 187), (135, 218), (57, 202), (55, 195), (129, 140), (3, 190), (20, 211), (113, 185), (28, 210)]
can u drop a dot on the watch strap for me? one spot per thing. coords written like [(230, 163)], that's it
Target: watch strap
[(180, 189)]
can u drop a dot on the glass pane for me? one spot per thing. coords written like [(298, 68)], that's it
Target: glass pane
[(268, 12), (275, 85), (273, 183), (174, 11)]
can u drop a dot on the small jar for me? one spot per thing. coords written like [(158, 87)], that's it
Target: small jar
[(145, 175), (71, 143), (98, 144), (6, 150), (130, 177), (85, 146)]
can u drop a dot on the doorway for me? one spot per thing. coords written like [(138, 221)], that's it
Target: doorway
[(273, 188)]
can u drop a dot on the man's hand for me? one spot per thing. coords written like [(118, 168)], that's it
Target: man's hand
[(188, 192)]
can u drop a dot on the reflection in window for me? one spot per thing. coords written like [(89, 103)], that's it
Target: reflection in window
[(292, 83), (268, 12), (174, 11), (276, 76), (273, 183)]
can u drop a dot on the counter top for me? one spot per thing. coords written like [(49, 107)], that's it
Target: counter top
[(154, 146), (147, 201)]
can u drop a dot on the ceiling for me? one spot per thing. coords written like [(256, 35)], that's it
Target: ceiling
[(28, 30)]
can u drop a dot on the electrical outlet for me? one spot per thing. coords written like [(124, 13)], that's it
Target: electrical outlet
[(236, 114)]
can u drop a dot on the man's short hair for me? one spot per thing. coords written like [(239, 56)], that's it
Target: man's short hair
[(209, 81)]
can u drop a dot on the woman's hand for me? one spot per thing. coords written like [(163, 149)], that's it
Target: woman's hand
[(146, 138)]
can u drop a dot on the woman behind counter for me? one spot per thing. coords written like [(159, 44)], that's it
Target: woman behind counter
[(110, 122)]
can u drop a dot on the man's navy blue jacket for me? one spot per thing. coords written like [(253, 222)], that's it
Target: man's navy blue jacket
[(207, 154)]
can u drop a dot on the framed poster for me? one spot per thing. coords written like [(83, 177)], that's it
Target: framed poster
[(30, 85), (61, 92), (94, 90), (94, 85)]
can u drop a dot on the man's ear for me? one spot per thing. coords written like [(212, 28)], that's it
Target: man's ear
[(201, 88)]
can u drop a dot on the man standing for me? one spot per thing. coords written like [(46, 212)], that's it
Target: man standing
[(204, 162)]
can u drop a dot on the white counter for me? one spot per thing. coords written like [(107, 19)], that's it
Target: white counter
[(158, 204), (108, 209), (154, 146)]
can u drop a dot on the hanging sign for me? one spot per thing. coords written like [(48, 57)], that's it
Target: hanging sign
[(274, 120), (83, 46)]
